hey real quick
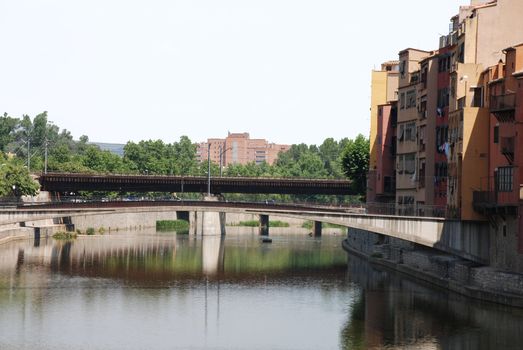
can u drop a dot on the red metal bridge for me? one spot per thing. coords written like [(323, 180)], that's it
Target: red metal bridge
[(57, 182)]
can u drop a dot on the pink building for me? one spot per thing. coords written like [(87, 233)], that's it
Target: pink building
[(239, 148)]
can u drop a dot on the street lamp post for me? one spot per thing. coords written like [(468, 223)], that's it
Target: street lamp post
[(221, 157), (209, 169)]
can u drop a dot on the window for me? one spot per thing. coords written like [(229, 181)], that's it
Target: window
[(402, 100), (441, 171), (496, 134), (478, 97), (421, 173), (411, 99), (424, 75), (442, 133), (401, 132), (410, 132), (403, 67), (505, 179), (421, 138), (423, 108), (443, 97), (444, 63), (461, 53), (409, 163)]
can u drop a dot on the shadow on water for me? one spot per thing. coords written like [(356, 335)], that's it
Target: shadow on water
[(395, 312)]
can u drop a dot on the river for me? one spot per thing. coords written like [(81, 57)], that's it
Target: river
[(161, 291)]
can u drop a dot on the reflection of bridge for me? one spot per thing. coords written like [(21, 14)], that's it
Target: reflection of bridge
[(138, 183), (465, 239)]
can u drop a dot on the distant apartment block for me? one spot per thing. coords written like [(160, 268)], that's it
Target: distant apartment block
[(239, 148), (458, 128)]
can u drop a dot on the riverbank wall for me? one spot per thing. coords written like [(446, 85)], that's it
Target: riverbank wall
[(138, 221), (9, 234), (444, 270)]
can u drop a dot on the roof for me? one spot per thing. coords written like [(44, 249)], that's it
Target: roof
[(412, 49), (513, 47)]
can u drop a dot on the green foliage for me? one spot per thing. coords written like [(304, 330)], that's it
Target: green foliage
[(277, 223), (307, 224), (249, 223), (90, 231), (8, 126), (355, 161), (256, 223), (310, 224), (331, 159), (181, 226), (65, 235), (15, 179)]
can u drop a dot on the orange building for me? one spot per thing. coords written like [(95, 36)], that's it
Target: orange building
[(239, 148)]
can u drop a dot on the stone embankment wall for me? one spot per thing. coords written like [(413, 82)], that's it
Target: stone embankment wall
[(124, 221), (442, 269), (121, 221)]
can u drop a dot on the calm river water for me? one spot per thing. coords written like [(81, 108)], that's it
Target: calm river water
[(161, 291)]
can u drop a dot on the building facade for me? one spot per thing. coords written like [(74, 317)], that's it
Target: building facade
[(239, 148), (459, 133), (381, 180)]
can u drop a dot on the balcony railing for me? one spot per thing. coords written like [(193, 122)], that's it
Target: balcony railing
[(503, 107), (507, 146), (500, 194), (502, 102)]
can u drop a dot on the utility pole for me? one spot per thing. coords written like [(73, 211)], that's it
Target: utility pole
[(209, 169), (28, 154), (45, 156), (221, 154)]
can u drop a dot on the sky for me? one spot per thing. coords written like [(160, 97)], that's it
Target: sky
[(290, 71)]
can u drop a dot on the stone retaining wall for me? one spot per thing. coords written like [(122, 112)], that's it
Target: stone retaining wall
[(446, 270)]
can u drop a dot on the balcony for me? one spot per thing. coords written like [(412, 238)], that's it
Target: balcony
[(507, 146), (501, 193), (503, 107)]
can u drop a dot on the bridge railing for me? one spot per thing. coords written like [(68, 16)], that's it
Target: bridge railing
[(213, 177), (434, 211)]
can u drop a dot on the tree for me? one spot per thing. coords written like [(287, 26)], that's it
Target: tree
[(355, 161), (184, 157), (15, 179), (8, 126), (148, 157)]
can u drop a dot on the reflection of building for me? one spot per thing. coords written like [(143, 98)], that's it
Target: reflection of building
[(239, 148)]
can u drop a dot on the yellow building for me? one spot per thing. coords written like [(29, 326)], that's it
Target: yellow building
[(384, 88)]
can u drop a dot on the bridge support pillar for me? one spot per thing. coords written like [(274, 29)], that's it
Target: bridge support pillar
[(264, 225), (317, 228), (208, 223), (192, 223)]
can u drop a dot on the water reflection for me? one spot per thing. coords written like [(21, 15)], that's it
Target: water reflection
[(394, 312), (159, 291)]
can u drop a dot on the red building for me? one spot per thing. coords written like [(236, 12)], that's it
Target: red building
[(500, 196)]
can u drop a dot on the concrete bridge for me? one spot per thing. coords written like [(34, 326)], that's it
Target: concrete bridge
[(469, 240)]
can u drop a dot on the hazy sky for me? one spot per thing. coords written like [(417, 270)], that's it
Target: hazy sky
[(290, 71)]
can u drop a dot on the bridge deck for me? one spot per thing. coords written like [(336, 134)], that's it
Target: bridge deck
[(141, 183)]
